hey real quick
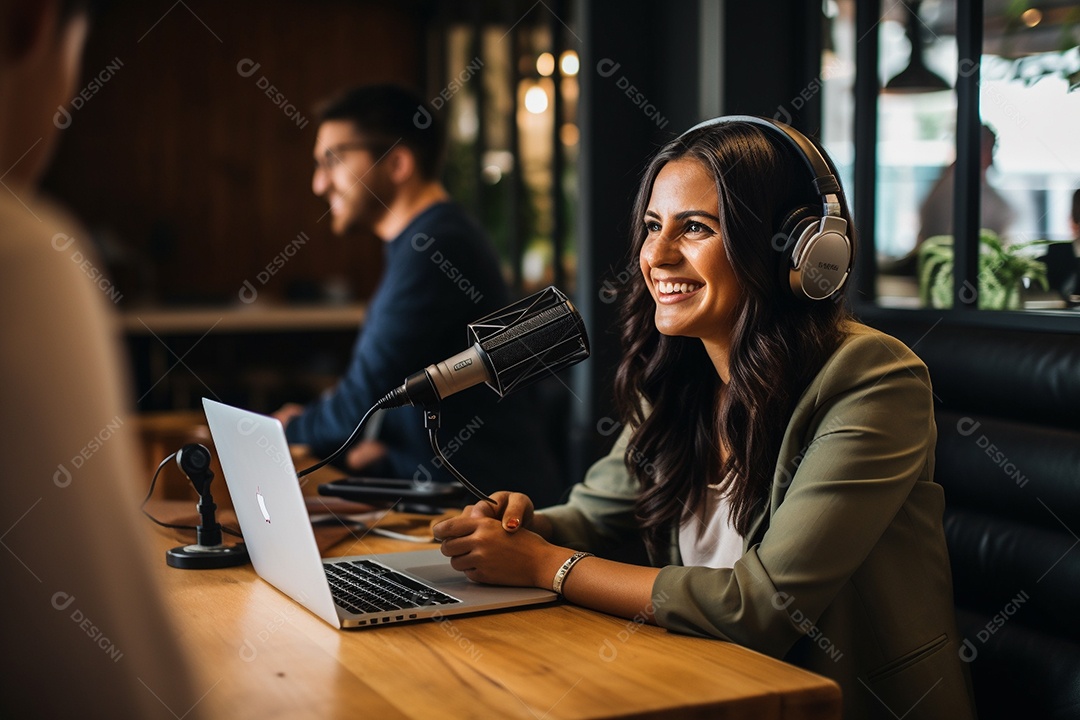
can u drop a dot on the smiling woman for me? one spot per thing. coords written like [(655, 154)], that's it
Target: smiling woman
[(777, 457), (684, 262), (723, 207)]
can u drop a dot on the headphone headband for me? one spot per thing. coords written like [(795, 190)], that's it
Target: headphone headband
[(825, 182)]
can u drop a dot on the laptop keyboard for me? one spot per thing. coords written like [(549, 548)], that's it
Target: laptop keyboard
[(362, 586)]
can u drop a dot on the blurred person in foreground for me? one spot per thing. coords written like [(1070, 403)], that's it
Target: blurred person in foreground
[(84, 630)]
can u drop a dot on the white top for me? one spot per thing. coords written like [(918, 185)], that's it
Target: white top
[(706, 536)]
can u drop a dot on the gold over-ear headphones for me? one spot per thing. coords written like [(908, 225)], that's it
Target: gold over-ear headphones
[(817, 252)]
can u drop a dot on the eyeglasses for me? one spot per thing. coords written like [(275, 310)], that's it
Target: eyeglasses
[(331, 157)]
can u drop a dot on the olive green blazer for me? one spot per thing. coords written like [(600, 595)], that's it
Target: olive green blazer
[(846, 573)]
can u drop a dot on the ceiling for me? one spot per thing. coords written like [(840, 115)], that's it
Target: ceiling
[(1004, 33)]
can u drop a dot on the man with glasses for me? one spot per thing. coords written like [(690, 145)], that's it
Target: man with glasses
[(378, 156)]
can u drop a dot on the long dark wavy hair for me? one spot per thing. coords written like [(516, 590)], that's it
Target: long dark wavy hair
[(667, 389)]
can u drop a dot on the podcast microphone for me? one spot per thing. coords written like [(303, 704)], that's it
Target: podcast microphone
[(511, 348), (208, 550)]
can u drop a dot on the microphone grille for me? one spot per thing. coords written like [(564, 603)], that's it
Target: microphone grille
[(537, 336)]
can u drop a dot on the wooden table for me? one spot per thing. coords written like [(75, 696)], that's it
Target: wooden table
[(259, 654)]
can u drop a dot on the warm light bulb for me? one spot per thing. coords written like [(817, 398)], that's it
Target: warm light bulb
[(1031, 17), (536, 100), (545, 64), (569, 64)]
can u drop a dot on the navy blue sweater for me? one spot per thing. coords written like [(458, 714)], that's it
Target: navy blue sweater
[(440, 274)]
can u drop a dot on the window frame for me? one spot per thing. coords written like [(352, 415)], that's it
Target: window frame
[(863, 294)]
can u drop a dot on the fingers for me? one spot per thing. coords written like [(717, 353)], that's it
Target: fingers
[(515, 510), (461, 536), (365, 453), (465, 512), (476, 511), (287, 412), (443, 529), (460, 551), (460, 526), (468, 554), (462, 563), (518, 512), (492, 555), (486, 509)]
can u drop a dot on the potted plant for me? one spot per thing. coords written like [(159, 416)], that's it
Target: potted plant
[(1002, 270)]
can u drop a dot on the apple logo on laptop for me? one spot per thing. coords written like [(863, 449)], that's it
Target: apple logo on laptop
[(262, 504)]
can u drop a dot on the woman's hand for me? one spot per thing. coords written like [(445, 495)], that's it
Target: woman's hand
[(481, 547), (481, 543), (513, 509), (501, 544)]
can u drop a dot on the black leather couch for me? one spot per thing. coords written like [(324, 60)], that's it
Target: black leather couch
[(1008, 456)]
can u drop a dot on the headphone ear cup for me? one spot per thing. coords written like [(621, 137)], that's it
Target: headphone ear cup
[(793, 221), (786, 240), (821, 258)]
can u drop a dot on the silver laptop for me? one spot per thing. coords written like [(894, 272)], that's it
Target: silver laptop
[(347, 592)]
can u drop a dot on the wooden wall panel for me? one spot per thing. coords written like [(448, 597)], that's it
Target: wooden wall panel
[(197, 176)]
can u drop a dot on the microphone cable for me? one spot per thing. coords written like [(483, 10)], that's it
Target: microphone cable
[(434, 439), (345, 445), (392, 399)]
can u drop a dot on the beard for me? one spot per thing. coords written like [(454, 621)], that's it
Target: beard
[(362, 209)]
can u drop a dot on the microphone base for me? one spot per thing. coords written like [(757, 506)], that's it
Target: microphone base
[(202, 557)]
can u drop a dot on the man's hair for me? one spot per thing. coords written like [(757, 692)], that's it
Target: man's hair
[(388, 115)]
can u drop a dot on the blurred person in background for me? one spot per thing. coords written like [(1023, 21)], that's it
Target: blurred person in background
[(936, 212), (1063, 259), (995, 212), (378, 160)]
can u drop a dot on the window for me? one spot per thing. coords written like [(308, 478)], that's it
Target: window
[(509, 92), (901, 97)]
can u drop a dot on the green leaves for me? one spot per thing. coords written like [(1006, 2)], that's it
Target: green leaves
[(1002, 269)]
